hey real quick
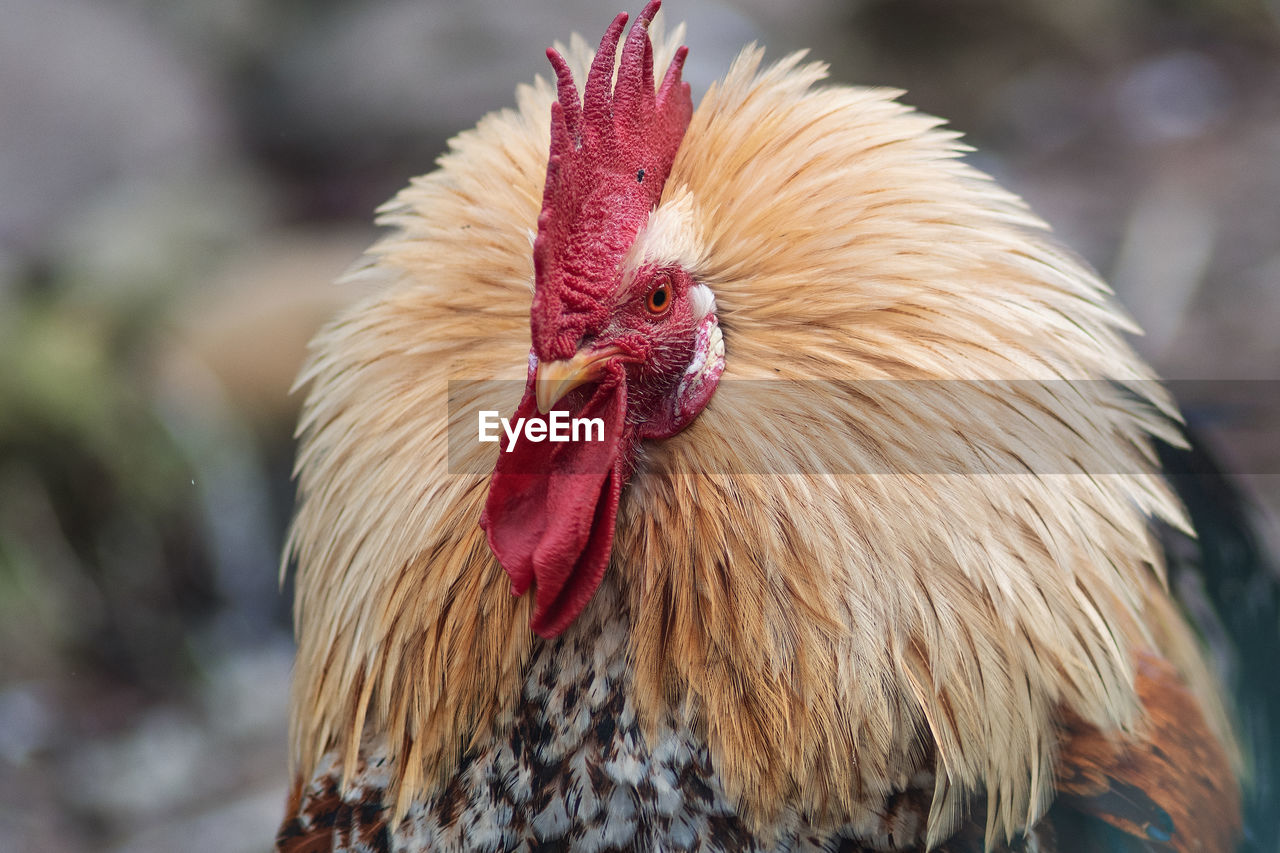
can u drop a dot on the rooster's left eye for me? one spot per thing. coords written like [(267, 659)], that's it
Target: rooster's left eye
[(659, 299)]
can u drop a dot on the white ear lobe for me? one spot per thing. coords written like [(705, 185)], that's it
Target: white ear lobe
[(702, 301)]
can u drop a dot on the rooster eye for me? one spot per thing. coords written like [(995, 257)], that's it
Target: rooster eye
[(659, 300)]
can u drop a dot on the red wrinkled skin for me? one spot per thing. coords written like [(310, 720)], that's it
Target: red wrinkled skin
[(552, 506)]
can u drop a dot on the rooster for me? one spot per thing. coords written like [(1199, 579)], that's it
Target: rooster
[(855, 553)]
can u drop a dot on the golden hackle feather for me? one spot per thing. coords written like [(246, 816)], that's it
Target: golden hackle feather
[(831, 633)]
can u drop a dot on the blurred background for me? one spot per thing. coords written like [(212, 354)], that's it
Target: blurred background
[(181, 180)]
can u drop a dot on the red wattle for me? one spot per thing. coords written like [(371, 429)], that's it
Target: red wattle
[(552, 507)]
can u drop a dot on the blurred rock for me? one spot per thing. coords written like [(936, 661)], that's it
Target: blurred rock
[(91, 95), (192, 777), (146, 772), (1163, 260), (431, 69), (1174, 96), (26, 723), (246, 695), (242, 823)]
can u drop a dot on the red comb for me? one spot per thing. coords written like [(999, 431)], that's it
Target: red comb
[(610, 157)]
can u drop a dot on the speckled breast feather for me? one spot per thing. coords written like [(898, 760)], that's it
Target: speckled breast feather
[(574, 772)]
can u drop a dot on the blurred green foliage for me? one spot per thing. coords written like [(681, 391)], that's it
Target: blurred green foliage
[(102, 563)]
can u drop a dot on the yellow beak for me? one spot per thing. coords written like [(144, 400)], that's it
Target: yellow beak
[(554, 379)]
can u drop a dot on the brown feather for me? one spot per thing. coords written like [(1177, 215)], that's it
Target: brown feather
[(1170, 781)]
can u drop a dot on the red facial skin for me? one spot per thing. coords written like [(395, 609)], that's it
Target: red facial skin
[(657, 347), (551, 507)]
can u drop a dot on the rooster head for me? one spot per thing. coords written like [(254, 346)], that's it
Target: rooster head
[(622, 334)]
